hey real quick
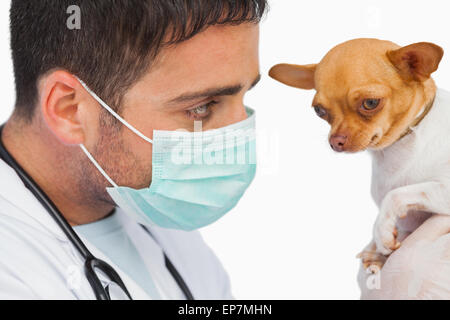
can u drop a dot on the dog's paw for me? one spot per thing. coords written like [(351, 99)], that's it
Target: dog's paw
[(385, 232), (385, 235), (371, 259)]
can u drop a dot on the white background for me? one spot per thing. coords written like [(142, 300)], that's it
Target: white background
[(296, 232)]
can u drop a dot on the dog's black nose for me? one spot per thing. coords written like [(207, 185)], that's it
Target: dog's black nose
[(337, 142)]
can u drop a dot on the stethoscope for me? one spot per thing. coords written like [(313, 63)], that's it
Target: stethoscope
[(91, 263)]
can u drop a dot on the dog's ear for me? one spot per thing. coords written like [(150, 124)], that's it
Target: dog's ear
[(294, 75), (416, 61)]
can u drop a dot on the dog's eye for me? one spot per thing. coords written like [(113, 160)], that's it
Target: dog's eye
[(320, 111), (370, 104)]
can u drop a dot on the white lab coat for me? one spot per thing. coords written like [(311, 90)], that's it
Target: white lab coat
[(37, 261)]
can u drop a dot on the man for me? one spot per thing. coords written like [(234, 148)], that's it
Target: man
[(159, 65), (90, 101)]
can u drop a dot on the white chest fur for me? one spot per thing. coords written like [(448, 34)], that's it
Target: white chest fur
[(420, 157)]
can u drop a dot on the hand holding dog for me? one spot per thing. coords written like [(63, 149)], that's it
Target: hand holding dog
[(419, 269)]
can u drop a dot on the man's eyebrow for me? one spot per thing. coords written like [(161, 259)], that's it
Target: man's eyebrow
[(255, 82), (213, 92)]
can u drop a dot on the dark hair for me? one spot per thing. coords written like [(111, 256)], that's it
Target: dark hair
[(117, 41)]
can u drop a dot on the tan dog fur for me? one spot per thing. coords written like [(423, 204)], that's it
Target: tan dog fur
[(351, 77)]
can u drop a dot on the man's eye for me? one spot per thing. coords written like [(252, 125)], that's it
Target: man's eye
[(370, 104), (201, 112), (320, 111)]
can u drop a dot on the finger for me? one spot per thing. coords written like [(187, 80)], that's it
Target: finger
[(431, 229)]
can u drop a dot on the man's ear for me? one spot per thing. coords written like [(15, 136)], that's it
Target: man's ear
[(294, 75), (416, 61), (59, 103)]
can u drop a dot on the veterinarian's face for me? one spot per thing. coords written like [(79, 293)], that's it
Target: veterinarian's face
[(202, 79)]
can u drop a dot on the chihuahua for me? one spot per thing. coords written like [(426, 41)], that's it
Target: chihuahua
[(380, 97)]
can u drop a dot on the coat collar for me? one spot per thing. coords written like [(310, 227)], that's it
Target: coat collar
[(27, 207)]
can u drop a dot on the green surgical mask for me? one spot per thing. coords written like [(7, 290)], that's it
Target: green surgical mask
[(197, 177)]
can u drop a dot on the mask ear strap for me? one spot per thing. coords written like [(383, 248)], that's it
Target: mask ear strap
[(98, 166), (104, 105)]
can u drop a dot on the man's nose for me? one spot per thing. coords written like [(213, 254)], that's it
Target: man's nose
[(237, 114), (338, 142)]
